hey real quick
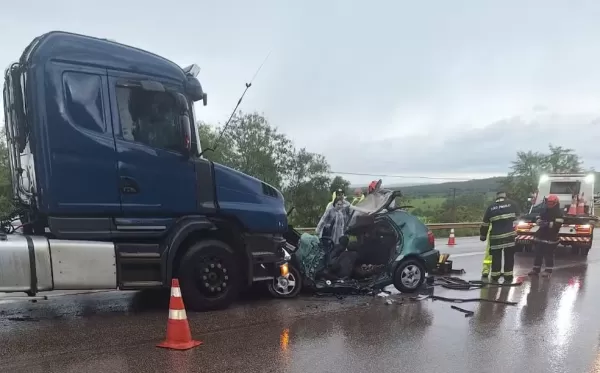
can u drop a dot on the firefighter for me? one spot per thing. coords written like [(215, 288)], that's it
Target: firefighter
[(546, 238), (358, 196), (498, 220), (487, 258), (371, 187)]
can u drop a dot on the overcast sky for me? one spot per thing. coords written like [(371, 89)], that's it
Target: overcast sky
[(432, 88)]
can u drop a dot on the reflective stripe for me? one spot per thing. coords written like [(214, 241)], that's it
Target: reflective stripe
[(177, 315), (495, 274), (503, 235), (176, 292), (537, 267), (502, 246), (512, 215), (485, 224), (508, 273), (487, 261)]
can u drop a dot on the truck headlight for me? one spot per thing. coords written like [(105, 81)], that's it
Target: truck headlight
[(286, 256), (589, 178)]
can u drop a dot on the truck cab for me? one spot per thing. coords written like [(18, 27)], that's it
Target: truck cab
[(109, 179), (576, 198)]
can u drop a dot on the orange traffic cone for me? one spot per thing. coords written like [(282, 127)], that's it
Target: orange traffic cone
[(581, 206), (573, 208), (179, 336), (451, 239)]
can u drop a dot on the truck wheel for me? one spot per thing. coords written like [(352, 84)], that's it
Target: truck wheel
[(282, 287), (210, 276), (409, 276)]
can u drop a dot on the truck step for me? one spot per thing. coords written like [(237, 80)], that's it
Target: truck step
[(139, 265)]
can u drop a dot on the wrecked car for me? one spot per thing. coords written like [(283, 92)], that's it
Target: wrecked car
[(388, 246)]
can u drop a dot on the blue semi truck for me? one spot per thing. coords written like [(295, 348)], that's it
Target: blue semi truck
[(111, 186)]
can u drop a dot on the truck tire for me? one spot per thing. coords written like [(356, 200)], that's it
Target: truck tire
[(210, 276)]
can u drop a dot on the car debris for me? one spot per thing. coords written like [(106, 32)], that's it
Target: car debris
[(466, 312)]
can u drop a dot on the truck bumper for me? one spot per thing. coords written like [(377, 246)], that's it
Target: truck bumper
[(267, 255), (527, 239)]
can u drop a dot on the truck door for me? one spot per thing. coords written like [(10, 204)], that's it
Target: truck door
[(156, 180), (83, 178)]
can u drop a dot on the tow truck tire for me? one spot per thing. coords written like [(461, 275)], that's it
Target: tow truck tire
[(210, 276), (405, 268)]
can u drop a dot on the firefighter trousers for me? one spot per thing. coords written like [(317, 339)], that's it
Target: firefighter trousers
[(509, 262), (487, 258), (544, 254)]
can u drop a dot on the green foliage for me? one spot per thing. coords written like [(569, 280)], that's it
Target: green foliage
[(441, 190), (525, 171), (255, 147), (339, 182)]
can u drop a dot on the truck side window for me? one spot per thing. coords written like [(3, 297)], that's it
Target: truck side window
[(83, 100), (150, 118)]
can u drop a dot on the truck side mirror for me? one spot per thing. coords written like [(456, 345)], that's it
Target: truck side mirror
[(186, 134)]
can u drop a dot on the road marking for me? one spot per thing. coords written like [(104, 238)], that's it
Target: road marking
[(466, 254)]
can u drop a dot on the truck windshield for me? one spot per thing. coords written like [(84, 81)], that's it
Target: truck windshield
[(564, 187)]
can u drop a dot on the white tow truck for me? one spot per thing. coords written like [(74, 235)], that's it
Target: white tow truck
[(577, 231)]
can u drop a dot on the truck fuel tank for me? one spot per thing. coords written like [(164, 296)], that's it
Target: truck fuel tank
[(34, 263)]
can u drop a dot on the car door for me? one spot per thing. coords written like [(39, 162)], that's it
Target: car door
[(156, 179)]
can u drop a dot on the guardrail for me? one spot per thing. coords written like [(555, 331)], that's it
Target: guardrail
[(432, 226)]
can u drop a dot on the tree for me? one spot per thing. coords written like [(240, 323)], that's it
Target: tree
[(250, 145), (255, 147), (525, 172), (339, 182), (307, 188)]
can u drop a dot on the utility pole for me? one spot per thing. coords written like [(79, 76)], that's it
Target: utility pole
[(453, 204)]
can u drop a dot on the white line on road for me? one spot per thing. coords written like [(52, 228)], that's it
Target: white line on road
[(466, 254)]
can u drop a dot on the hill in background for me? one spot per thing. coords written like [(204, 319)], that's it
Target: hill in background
[(445, 189), (489, 185)]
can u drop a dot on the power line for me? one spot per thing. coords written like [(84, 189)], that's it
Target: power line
[(400, 176)]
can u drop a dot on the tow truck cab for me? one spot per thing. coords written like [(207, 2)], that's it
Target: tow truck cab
[(110, 183), (578, 229)]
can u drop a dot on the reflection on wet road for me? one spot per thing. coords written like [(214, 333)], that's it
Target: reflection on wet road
[(553, 328)]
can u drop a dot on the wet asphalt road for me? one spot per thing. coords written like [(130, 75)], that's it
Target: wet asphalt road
[(555, 327)]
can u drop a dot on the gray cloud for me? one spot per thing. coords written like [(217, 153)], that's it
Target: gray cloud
[(487, 150), (414, 84)]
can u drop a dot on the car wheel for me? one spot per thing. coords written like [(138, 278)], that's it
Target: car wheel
[(286, 287), (209, 276), (409, 276)]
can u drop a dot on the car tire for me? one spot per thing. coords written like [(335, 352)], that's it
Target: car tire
[(210, 277), (409, 276), (278, 289)]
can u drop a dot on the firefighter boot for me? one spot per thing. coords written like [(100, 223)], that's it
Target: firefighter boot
[(547, 273)]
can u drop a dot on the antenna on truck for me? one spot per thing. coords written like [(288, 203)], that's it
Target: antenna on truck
[(248, 85)]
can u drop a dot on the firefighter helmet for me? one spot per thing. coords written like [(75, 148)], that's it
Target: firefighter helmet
[(551, 200), (372, 186)]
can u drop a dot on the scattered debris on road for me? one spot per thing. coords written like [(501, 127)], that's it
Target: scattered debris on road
[(466, 312)]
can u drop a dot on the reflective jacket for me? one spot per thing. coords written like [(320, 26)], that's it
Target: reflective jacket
[(500, 215), (551, 220), (358, 199)]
